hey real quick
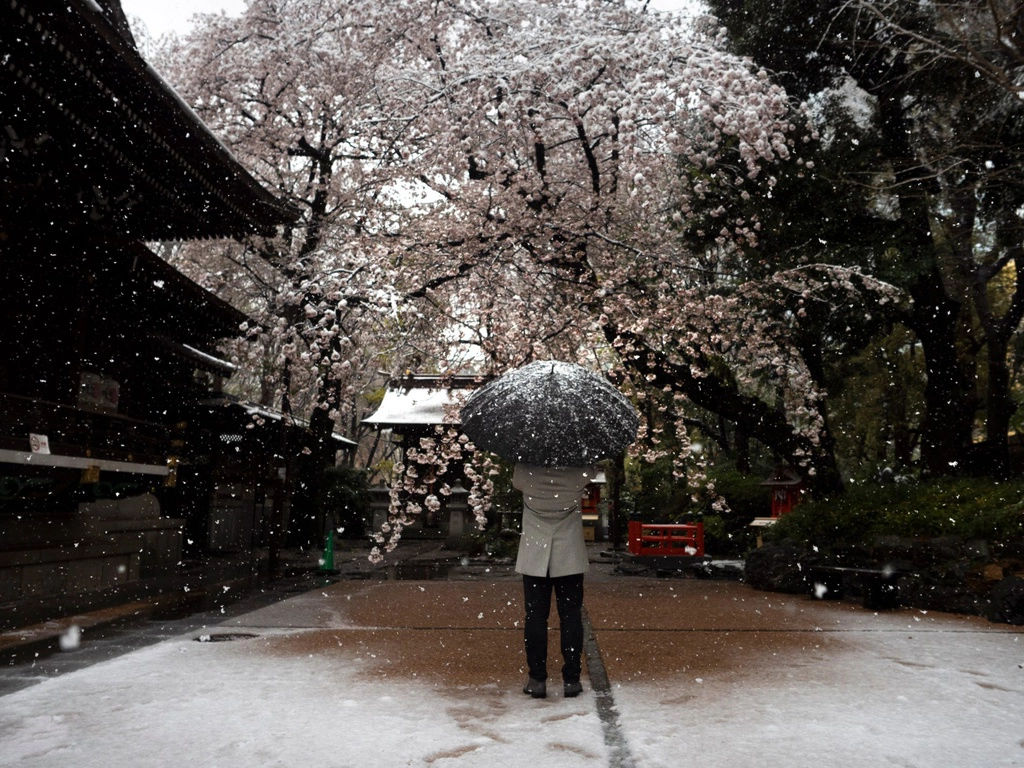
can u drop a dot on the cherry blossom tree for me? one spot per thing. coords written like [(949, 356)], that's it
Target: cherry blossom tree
[(486, 183), (290, 90), (578, 163)]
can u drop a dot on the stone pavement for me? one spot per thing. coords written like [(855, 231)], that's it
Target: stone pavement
[(201, 593), (30, 653)]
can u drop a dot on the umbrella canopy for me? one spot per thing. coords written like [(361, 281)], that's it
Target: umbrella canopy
[(552, 414)]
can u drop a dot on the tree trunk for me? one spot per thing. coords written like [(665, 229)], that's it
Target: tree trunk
[(742, 446), (751, 415), (1000, 407), (949, 392), (935, 316), (896, 414), (321, 456), (279, 466), (994, 459)]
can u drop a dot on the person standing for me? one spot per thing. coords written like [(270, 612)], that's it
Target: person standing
[(552, 558)]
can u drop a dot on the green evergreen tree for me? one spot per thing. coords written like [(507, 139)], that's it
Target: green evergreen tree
[(917, 178)]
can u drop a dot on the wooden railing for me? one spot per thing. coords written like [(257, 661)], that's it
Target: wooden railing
[(666, 539)]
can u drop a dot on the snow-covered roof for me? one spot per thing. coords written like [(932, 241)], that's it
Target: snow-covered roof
[(415, 406), (419, 399), (257, 410), (210, 359)]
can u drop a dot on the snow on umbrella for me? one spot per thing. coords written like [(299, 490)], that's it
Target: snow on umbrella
[(550, 413)]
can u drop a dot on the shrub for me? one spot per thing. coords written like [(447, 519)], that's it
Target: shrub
[(654, 496), (746, 497), (493, 541), (967, 508), (345, 499)]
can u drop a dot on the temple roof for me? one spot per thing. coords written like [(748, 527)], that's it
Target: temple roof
[(249, 411), (783, 476), (92, 136)]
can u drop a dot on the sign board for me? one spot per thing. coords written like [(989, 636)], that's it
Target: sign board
[(39, 443), (98, 392)]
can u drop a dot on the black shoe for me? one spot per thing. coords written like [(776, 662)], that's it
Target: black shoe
[(536, 688), (572, 690)]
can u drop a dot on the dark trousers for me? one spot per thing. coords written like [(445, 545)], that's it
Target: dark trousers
[(569, 601)]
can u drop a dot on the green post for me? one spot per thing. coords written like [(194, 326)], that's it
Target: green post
[(327, 564)]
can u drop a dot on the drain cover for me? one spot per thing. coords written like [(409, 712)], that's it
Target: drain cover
[(224, 637)]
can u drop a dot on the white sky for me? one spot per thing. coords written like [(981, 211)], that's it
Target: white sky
[(162, 16)]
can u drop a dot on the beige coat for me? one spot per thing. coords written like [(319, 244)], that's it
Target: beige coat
[(552, 542)]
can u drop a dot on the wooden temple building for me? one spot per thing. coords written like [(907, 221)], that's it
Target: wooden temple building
[(117, 449)]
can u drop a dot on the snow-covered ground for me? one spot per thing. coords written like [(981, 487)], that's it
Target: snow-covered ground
[(816, 685), (887, 698), (229, 704)]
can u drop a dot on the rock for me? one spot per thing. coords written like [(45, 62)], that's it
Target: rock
[(630, 568), (1007, 601), (779, 567), (932, 592), (717, 569)]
